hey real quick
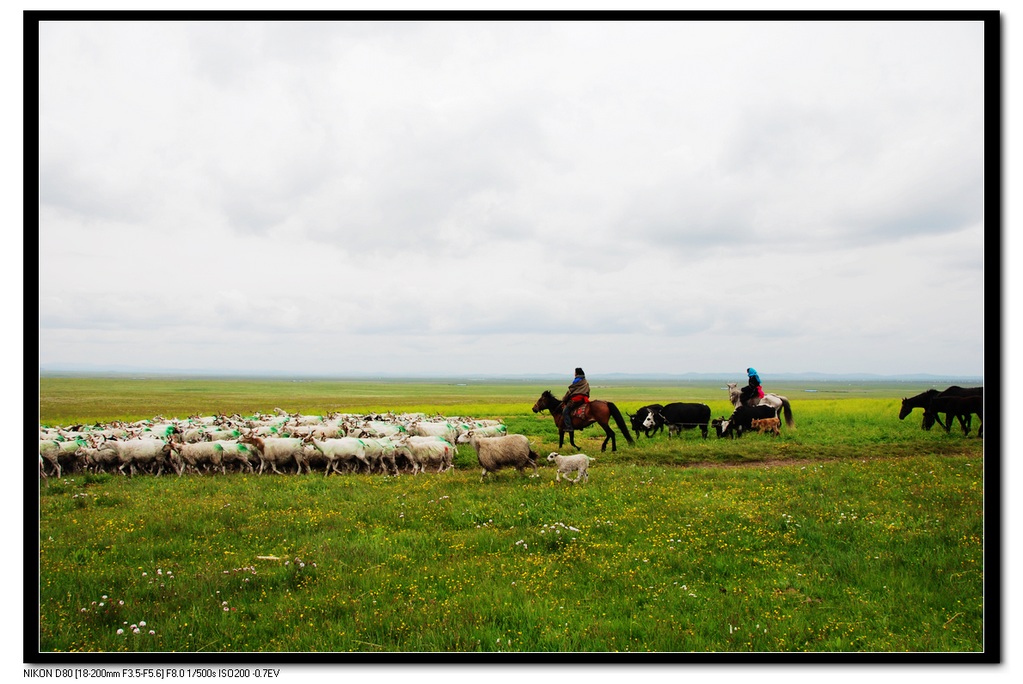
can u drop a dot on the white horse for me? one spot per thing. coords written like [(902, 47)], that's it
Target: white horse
[(776, 401)]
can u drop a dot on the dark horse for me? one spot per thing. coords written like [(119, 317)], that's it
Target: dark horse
[(948, 402), (922, 400), (934, 402), (600, 412)]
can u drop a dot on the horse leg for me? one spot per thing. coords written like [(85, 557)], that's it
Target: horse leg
[(561, 438), (610, 436)]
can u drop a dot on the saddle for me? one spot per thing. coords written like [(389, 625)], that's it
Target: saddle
[(580, 411)]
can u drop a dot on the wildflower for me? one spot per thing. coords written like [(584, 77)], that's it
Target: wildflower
[(152, 632), (120, 631), (142, 623)]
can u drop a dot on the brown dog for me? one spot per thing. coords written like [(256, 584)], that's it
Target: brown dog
[(762, 425)]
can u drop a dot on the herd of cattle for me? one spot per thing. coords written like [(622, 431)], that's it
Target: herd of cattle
[(396, 443)]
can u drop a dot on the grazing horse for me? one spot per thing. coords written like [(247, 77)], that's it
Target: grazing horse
[(921, 400), (775, 401), (600, 412)]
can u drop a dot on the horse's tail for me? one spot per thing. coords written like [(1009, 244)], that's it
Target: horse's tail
[(786, 408), (617, 415)]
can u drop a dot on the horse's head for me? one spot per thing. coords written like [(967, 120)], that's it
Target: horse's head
[(905, 410), (546, 401)]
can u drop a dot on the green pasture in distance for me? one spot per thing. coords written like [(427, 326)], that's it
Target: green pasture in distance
[(69, 400)]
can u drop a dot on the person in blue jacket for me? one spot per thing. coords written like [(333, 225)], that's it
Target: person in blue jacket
[(752, 393)]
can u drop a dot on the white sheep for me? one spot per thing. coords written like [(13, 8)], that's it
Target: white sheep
[(578, 463), (60, 454), (384, 452), (196, 455), (468, 431), (278, 451), (429, 451), (349, 451), (140, 451), (425, 428), (509, 451)]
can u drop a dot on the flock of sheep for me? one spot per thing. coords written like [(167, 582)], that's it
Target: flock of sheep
[(283, 442)]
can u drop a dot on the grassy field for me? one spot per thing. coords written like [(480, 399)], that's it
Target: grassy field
[(853, 532)]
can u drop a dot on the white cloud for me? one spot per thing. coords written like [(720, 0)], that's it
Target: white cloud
[(713, 187)]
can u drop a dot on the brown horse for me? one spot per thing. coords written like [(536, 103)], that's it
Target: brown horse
[(600, 412)]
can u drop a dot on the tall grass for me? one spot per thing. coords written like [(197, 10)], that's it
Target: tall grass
[(854, 532)]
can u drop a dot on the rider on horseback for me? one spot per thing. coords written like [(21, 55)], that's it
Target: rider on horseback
[(752, 393), (578, 391)]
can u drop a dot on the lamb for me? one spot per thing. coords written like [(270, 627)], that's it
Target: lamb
[(509, 451), (763, 425), (579, 463)]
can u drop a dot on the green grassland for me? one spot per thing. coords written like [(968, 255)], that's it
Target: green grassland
[(852, 532)]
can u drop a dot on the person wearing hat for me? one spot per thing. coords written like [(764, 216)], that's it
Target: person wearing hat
[(578, 391)]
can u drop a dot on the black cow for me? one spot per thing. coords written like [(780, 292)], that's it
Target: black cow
[(639, 417), (741, 420), (681, 416)]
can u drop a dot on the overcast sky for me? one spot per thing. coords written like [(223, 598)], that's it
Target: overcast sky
[(513, 197)]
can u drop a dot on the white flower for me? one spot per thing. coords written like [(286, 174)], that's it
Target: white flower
[(153, 632), (120, 631)]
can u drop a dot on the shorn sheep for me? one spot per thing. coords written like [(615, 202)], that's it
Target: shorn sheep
[(510, 451), (577, 463)]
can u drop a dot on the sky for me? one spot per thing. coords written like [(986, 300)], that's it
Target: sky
[(802, 175), (458, 198)]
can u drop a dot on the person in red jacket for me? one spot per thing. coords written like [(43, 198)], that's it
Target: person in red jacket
[(578, 391)]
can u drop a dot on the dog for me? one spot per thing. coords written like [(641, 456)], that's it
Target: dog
[(763, 425)]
